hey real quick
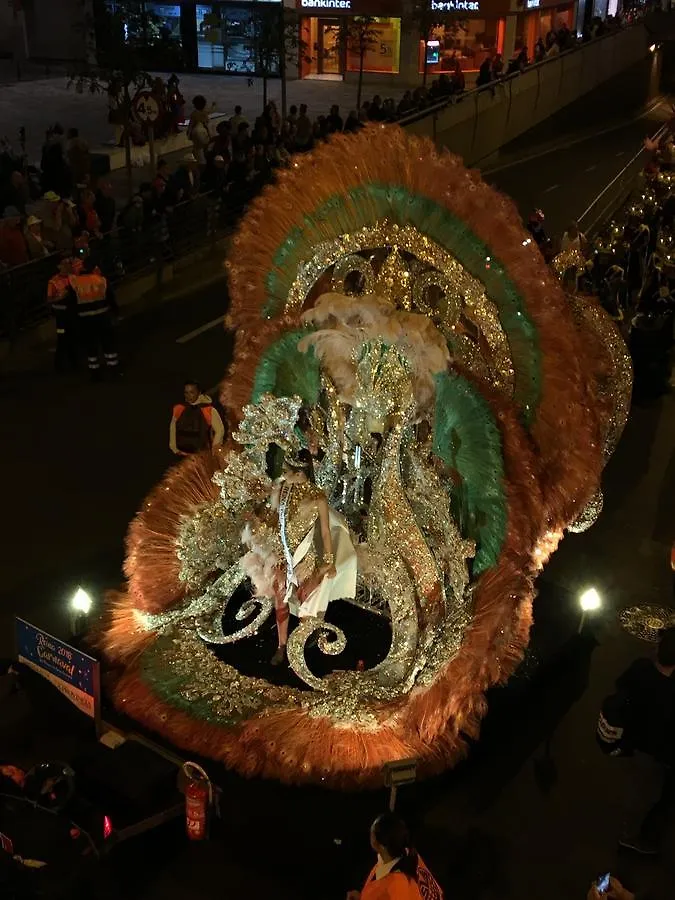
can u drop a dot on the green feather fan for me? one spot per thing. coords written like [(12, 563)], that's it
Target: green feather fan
[(467, 438), (285, 371)]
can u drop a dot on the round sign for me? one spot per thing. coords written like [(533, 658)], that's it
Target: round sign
[(146, 108)]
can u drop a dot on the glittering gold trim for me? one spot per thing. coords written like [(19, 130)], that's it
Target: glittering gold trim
[(463, 291)]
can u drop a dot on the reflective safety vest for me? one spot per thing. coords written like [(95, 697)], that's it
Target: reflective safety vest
[(57, 291), (91, 292)]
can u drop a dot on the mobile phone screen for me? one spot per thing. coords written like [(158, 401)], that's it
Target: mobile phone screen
[(602, 883)]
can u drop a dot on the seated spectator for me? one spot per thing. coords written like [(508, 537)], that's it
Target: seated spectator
[(458, 80), (35, 244), (553, 50), (13, 250), (79, 158), (539, 50), (364, 112), (352, 123), (335, 123), (105, 206)]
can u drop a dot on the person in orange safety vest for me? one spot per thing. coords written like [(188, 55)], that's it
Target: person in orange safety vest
[(94, 313), (399, 873), (62, 303)]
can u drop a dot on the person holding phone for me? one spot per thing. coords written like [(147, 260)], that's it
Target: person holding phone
[(609, 888)]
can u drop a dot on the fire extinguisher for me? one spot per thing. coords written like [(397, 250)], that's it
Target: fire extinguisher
[(198, 801)]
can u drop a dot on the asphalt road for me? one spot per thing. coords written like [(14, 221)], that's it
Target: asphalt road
[(520, 822)]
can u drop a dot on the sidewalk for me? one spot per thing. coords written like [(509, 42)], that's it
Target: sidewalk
[(38, 104)]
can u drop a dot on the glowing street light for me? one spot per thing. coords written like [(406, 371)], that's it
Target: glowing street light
[(81, 602), (589, 601), (80, 607)]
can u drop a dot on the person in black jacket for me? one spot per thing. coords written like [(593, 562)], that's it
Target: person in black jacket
[(647, 688)]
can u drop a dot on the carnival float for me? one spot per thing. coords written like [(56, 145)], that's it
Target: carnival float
[(418, 414)]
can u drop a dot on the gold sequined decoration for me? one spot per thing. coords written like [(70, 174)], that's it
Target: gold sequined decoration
[(271, 420), (646, 622), (467, 289), (348, 266), (568, 259), (589, 515), (618, 386), (297, 643), (451, 308), (394, 280)]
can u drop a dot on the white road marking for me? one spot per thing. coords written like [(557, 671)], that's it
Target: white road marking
[(565, 145), (193, 334), (590, 168), (621, 153), (549, 189)]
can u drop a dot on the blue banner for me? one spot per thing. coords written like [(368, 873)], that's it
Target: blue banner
[(72, 672)]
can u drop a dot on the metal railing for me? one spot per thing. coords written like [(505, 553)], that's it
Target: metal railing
[(615, 194)]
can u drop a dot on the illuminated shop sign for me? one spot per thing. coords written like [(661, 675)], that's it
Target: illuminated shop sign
[(455, 5), (326, 4), (532, 4)]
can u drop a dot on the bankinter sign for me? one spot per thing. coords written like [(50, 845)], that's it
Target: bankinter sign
[(455, 5), (326, 4)]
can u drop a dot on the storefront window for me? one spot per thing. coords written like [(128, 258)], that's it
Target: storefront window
[(238, 39), (469, 41), (383, 55)]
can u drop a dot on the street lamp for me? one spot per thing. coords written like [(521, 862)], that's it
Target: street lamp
[(80, 607), (589, 601)]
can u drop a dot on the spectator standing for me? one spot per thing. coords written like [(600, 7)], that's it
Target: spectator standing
[(175, 102), (352, 123), (195, 423), (539, 50), (241, 139), (484, 73), (16, 193), (335, 123), (638, 722), (79, 158), (399, 873), (375, 111), (13, 250), (303, 130), (89, 220), (37, 248), (497, 66), (292, 116), (405, 104), (198, 128), (58, 220), (56, 176), (105, 206), (186, 179), (222, 144), (573, 239), (237, 120)]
